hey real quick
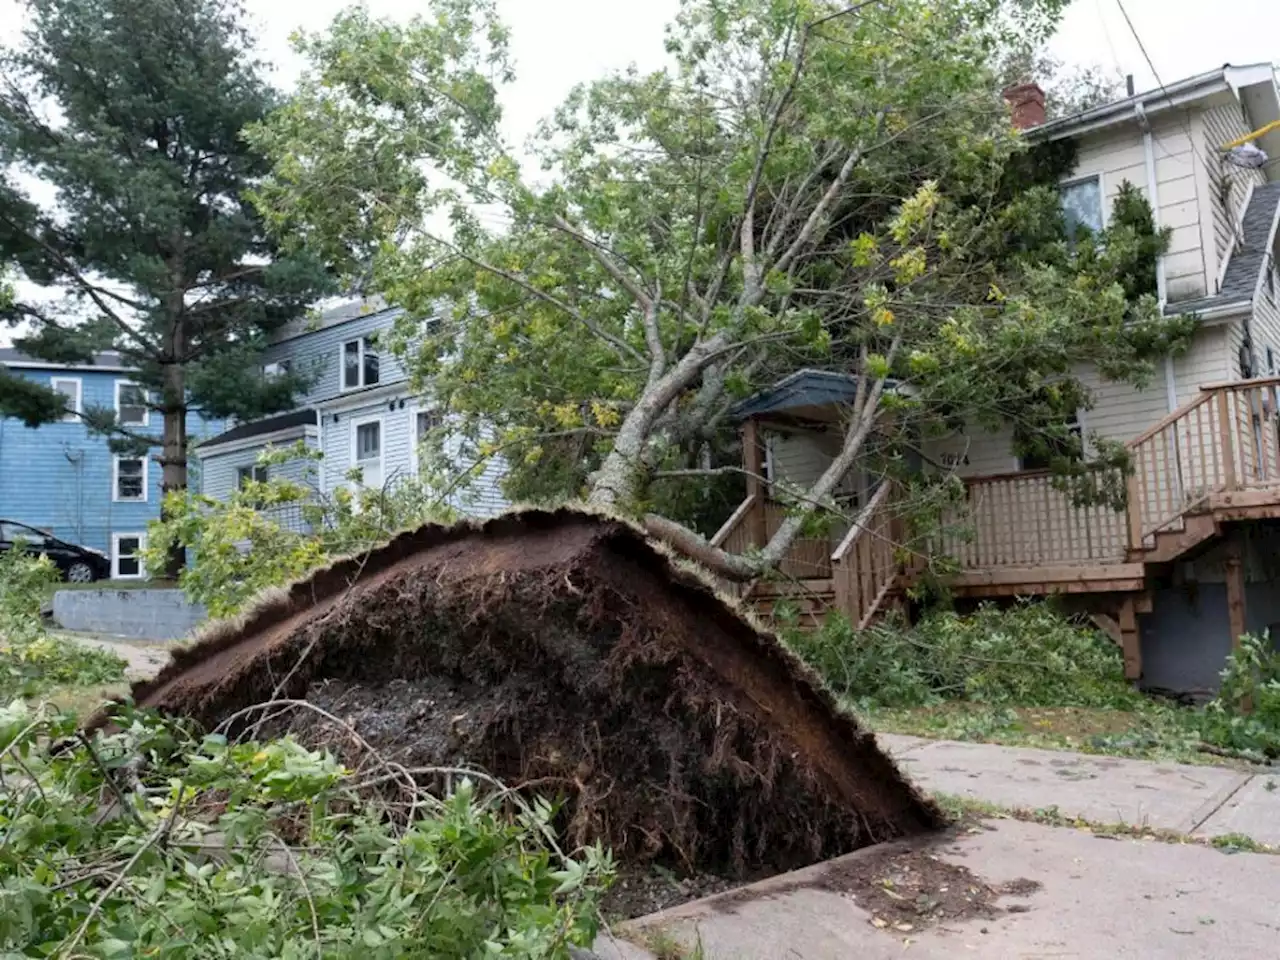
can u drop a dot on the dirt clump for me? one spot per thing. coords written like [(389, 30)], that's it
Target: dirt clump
[(563, 652)]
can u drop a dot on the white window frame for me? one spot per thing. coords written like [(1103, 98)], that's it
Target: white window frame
[(1104, 211), (115, 480), (354, 424), (146, 411), (115, 556), (361, 342), (415, 456), (70, 416), (253, 471), (277, 368)]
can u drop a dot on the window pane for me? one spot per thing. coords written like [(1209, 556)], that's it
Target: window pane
[(128, 563), (70, 390), (368, 441), (428, 420), (370, 363), (351, 364), (132, 406), (256, 473), (129, 479), (1082, 206)]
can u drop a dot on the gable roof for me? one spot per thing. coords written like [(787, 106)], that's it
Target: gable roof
[(1250, 256)]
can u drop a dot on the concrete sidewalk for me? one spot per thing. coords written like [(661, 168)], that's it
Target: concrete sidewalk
[(1200, 800), (1058, 892), (1070, 895)]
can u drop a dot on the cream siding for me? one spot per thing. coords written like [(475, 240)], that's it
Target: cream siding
[(1118, 155), (1229, 185), (794, 458), (1266, 326), (974, 452)]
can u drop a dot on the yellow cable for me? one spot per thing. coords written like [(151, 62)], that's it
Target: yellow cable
[(1260, 132)]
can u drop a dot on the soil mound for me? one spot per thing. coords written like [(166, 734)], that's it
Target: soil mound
[(564, 651)]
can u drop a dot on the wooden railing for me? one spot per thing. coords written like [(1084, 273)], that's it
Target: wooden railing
[(1225, 439), (1022, 519), (864, 567), (808, 557)]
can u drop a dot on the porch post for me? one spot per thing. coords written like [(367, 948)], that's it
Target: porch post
[(1235, 590), (753, 464)]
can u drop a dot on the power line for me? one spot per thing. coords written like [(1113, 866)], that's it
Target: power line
[(1163, 89)]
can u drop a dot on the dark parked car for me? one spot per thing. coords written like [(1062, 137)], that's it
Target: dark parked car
[(78, 564)]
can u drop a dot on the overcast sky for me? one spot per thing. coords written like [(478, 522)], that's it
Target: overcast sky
[(557, 43)]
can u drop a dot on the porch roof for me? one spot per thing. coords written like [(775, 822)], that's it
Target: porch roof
[(294, 419), (804, 388)]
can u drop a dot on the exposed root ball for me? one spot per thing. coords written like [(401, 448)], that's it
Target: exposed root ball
[(565, 651)]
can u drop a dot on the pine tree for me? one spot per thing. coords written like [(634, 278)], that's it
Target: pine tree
[(132, 111)]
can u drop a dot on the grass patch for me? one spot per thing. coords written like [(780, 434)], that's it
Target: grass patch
[(963, 809), (1027, 675), (1151, 730)]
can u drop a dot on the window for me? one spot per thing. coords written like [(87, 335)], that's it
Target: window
[(244, 475), (131, 405), (129, 479), (277, 368), (427, 420), (1082, 205), (366, 451), (126, 555), (69, 388), (360, 364)]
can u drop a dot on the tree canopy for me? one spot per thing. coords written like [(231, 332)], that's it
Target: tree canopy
[(806, 184), (132, 112)]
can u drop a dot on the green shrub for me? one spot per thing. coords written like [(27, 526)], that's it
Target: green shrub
[(1027, 655), (1245, 715), (264, 850), (33, 661), (238, 547)]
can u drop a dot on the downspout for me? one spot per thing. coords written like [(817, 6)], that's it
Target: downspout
[(1153, 197)]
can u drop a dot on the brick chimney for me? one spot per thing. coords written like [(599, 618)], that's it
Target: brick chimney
[(1026, 100)]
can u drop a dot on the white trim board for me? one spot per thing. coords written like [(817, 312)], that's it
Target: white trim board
[(353, 426), (115, 480), (304, 431), (70, 416), (146, 417), (141, 537)]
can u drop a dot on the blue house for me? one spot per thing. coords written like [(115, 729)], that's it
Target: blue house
[(60, 478), (359, 412)]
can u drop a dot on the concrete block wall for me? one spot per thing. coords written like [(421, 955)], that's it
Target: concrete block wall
[(138, 614)]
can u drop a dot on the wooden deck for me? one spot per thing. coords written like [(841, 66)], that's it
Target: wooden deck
[(1214, 461)]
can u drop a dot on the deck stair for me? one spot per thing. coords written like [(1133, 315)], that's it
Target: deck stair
[(1211, 463)]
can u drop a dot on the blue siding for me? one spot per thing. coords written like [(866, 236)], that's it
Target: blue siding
[(218, 476), (319, 351), (58, 477)]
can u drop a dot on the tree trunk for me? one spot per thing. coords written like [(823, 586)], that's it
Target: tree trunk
[(173, 450), (734, 567), (616, 482)]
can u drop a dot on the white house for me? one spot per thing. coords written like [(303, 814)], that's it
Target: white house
[(358, 413)]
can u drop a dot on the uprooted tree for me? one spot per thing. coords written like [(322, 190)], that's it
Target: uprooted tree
[(131, 111), (808, 184)]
